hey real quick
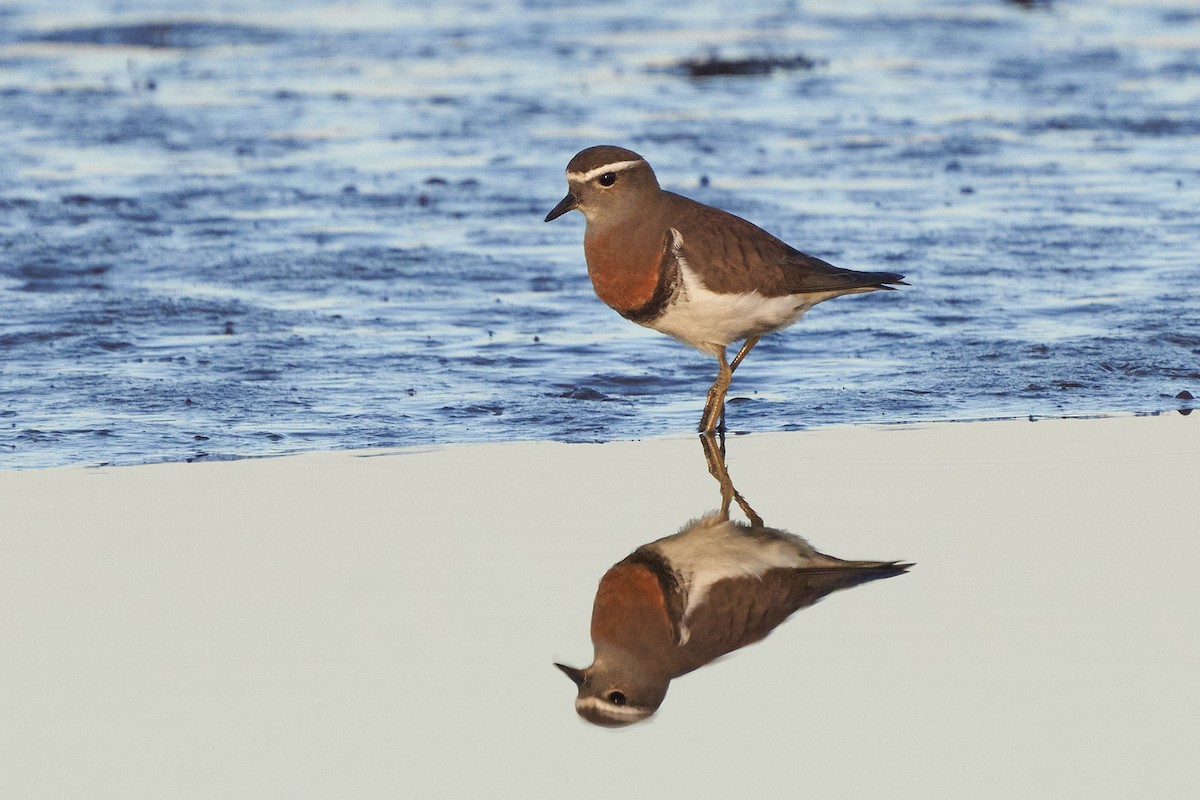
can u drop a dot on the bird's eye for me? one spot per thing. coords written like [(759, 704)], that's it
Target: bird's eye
[(608, 179), (616, 698)]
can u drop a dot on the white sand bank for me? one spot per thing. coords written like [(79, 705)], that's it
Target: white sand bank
[(383, 625)]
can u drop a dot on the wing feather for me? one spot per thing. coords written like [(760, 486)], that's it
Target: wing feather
[(740, 257)]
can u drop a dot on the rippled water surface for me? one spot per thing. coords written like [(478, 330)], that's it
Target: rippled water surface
[(230, 232)]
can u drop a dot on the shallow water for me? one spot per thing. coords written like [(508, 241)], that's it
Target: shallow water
[(230, 233)]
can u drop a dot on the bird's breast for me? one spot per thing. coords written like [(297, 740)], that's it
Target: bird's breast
[(626, 269), (630, 610)]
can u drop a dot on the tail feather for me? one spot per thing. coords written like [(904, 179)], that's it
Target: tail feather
[(810, 584), (810, 274)]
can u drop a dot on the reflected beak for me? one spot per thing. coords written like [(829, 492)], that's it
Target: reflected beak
[(575, 675), (568, 203)]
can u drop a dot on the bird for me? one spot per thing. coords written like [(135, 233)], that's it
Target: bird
[(678, 603), (694, 272)]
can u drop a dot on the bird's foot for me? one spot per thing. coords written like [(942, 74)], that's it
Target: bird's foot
[(712, 421)]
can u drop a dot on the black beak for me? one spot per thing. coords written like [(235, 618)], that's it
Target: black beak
[(568, 203), (575, 675)]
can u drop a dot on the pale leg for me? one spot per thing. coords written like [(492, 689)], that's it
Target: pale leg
[(713, 417), (714, 455), (714, 407), (746, 347)]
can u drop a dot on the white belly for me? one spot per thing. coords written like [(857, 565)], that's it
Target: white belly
[(709, 321), (712, 549)]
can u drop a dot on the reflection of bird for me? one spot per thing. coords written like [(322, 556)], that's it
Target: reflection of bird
[(678, 603), (692, 271)]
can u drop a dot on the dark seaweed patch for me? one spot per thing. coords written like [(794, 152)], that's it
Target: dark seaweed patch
[(715, 66)]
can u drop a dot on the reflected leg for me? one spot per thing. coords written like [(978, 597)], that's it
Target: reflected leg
[(714, 456)]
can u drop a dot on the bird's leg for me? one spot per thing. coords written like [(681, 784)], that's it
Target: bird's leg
[(714, 408), (742, 353), (714, 456), (747, 346)]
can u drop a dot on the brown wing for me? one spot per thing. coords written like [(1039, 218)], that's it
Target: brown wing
[(742, 257), (740, 611)]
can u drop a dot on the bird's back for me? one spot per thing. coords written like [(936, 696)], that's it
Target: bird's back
[(739, 582), (739, 257)]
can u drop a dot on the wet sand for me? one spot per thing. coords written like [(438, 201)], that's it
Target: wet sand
[(370, 624)]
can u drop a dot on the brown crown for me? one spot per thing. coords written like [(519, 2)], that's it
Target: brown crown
[(598, 156)]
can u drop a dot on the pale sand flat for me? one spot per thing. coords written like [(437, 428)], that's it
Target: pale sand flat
[(362, 625)]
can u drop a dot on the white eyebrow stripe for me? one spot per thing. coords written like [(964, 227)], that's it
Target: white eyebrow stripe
[(599, 704), (617, 166)]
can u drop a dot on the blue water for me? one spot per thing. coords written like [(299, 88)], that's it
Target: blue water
[(230, 233)]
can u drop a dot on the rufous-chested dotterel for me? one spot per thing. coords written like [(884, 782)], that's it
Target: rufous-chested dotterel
[(691, 271)]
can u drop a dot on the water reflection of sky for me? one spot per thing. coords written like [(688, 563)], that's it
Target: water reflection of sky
[(345, 203)]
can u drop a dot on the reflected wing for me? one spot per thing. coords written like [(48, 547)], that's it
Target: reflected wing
[(741, 611)]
